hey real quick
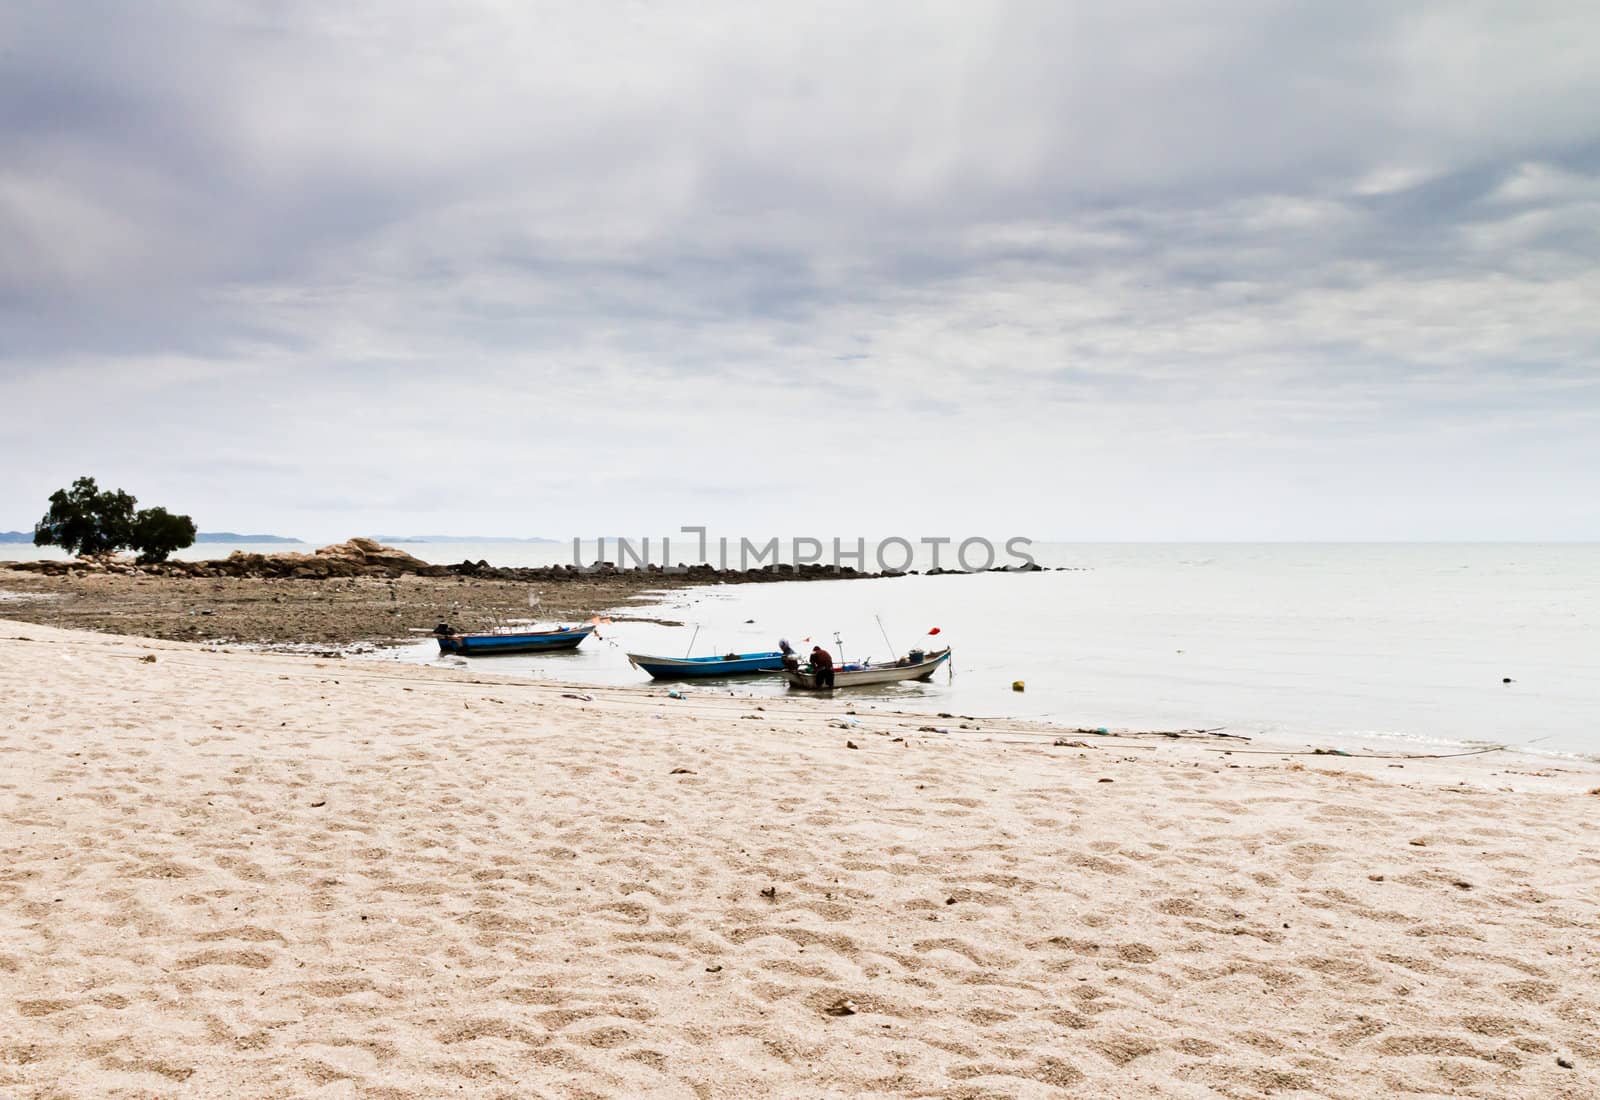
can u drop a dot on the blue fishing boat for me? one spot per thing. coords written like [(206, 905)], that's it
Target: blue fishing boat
[(513, 641), (689, 668)]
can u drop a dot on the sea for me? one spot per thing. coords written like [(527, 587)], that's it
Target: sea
[(1432, 647)]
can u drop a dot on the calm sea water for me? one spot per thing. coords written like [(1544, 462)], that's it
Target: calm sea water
[(1372, 644), (1347, 644)]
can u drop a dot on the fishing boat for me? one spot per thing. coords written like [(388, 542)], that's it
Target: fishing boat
[(687, 668), (511, 641), (915, 665)]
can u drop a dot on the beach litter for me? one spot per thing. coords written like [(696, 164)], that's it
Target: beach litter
[(587, 698), (676, 695), (844, 1006)]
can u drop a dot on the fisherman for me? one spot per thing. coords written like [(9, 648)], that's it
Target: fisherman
[(822, 666), (791, 662)]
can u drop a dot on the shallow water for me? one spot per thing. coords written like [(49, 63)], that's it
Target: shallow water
[(1371, 644)]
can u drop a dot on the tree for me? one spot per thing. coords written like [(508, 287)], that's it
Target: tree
[(157, 533), (84, 520)]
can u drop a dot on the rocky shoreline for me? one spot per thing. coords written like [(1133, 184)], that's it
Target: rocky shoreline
[(366, 558), (356, 593)]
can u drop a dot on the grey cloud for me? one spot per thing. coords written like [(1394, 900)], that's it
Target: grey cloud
[(619, 239)]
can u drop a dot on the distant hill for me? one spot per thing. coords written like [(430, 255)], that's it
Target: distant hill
[(390, 540), (203, 536), (230, 536)]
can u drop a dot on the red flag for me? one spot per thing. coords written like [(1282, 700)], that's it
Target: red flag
[(935, 630)]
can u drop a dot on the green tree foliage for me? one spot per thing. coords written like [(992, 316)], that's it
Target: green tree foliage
[(84, 520), (157, 533)]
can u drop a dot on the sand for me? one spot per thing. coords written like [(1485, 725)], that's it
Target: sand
[(247, 875)]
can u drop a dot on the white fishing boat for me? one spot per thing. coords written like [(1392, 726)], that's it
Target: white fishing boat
[(916, 665)]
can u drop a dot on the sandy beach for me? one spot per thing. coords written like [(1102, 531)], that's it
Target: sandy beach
[(265, 875)]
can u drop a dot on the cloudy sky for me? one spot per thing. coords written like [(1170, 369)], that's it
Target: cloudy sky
[(1240, 270)]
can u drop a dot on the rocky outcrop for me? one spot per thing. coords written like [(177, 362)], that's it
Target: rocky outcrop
[(369, 558), (355, 558)]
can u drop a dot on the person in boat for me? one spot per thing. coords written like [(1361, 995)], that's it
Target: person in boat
[(791, 661), (822, 666)]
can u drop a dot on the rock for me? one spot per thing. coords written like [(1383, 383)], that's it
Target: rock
[(851, 745), (769, 892), (148, 658), (1103, 779), (1564, 1063)]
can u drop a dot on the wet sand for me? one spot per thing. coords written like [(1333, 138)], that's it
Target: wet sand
[(265, 875)]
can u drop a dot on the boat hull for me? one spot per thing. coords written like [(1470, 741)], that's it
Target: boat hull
[(699, 668), (877, 674), (537, 641)]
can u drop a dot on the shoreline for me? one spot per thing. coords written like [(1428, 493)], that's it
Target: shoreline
[(352, 617), (346, 597), (847, 712), (275, 875)]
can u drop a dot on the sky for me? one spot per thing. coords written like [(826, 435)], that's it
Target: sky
[(1234, 271)]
